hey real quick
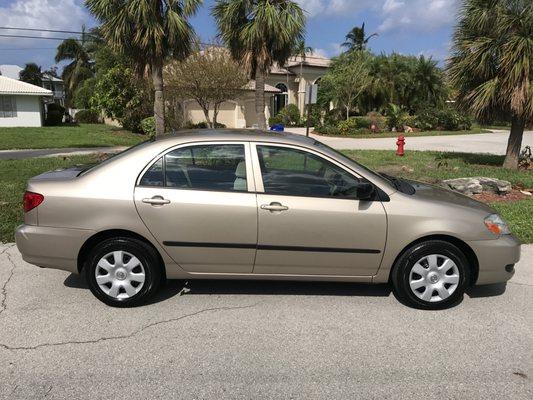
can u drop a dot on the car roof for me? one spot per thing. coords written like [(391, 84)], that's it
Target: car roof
[(252, 135)]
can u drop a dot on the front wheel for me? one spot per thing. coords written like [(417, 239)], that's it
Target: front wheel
[(431, 275), (123, 272)]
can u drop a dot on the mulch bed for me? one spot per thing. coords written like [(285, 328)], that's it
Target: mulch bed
[(513, 195)]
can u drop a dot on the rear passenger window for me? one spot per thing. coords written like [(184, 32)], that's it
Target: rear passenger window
[(205, 167), (154, 176)]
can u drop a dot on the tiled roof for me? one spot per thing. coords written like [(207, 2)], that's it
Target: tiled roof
[(12, 86), (269, 89), (311, 60)]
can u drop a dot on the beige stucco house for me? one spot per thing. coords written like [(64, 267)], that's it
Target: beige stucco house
[(284, 85)]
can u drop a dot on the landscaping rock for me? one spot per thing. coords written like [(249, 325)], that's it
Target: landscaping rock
[(478, 185)]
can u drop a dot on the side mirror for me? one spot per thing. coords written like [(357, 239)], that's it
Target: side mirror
[(365, 191)]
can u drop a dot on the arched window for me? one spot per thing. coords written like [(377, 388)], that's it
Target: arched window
[(280, 99)]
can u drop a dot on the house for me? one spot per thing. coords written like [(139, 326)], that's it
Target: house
[(49, 82), (284, 85), (21, 103)]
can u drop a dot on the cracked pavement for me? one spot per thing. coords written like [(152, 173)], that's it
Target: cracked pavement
[(260, 340)]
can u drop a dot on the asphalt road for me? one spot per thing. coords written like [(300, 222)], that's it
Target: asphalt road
[(260, 340), (491, 143)]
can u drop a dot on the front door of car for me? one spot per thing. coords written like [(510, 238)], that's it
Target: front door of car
[(311, 221), (199, 202)]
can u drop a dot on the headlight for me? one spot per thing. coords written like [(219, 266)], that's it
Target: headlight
[(497, 225)]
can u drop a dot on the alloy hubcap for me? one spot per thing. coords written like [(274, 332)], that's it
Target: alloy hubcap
[(434, 278), (120, 274)]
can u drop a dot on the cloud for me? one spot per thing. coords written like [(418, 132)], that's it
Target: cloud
[(334, 7), (417, 15), (45, 14)]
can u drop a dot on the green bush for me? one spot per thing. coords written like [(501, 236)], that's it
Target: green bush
[(87, 116), (203, 125), (54, 114), (288, 116), (148, 126), (446, 118)]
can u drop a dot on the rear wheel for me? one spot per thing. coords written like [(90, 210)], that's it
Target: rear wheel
[(123, 272), (431, 275)]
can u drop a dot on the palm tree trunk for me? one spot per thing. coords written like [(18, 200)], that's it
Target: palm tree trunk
[(260, 99), (514, 143), (159, 101)]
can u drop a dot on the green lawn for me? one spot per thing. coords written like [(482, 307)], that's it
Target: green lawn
[(472, 131), (84, 135), (424, 166)]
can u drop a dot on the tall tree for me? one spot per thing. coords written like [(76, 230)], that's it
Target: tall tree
[(348, 78), (258, 34), (356, 39), (209, 76), (79, 53), (148, 32), (492, 62), (31, 74)]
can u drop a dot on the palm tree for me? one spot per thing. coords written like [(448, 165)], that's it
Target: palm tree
[(492, 62), (79, 52), (148, 32), (258, 34), (31, 74), (428, 80), (301, 50), (356, 39)]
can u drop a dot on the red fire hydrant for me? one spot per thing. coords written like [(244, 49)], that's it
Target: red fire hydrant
[(400, 143)]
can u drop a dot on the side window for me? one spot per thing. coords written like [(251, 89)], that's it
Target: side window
[(154, 176), (204, 167), (295, 172)]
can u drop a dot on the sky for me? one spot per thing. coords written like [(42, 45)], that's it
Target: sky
[(417, 27)]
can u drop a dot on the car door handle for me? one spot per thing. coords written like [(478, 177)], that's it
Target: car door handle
[(156, 201), (274, 207)]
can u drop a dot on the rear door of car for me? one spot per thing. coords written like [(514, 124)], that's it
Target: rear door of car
[(198, 200), (310, 219)]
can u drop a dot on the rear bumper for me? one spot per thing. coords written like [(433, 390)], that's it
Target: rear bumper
[(51, 247), (494, 256)]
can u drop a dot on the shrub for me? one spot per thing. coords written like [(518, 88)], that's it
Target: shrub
[(54, 114), (148, 126), (396, 117), (203, 125), (288, 116), (446, 118), (87, 116)]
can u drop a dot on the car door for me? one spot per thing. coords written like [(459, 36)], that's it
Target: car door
[(199, 202), (310, 219)]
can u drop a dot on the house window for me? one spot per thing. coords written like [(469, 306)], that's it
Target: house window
[(8, 107)]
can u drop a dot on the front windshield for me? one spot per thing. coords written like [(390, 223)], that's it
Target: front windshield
[(349, 160)]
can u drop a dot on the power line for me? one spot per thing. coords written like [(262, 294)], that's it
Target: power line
[(42, 30), (35, 37), (30, 48)]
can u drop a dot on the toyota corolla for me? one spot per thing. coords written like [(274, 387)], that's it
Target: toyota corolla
[(253, 205)]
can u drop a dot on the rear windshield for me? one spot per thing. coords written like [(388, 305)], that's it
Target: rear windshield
[(85, 169)]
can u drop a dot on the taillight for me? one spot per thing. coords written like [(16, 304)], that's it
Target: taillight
[(31, 200)]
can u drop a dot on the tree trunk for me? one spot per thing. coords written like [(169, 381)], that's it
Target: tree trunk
[(347, 113), (159, 101), (260, 99), (514, 143), (215, 115), (206, 114)]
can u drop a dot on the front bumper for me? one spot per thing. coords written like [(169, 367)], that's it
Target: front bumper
[(493, 258), (51, 247)]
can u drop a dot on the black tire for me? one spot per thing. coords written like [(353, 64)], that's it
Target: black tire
[(144, 253), (401, 274)]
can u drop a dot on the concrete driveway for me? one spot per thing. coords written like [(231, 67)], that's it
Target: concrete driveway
[(260, 340), (492, 143)]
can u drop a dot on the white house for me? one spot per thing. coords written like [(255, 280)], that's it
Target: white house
[(21, 103), (283, 86), (50, 82)]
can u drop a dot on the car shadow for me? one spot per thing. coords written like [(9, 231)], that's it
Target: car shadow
[(273, 288), (494, 290)]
